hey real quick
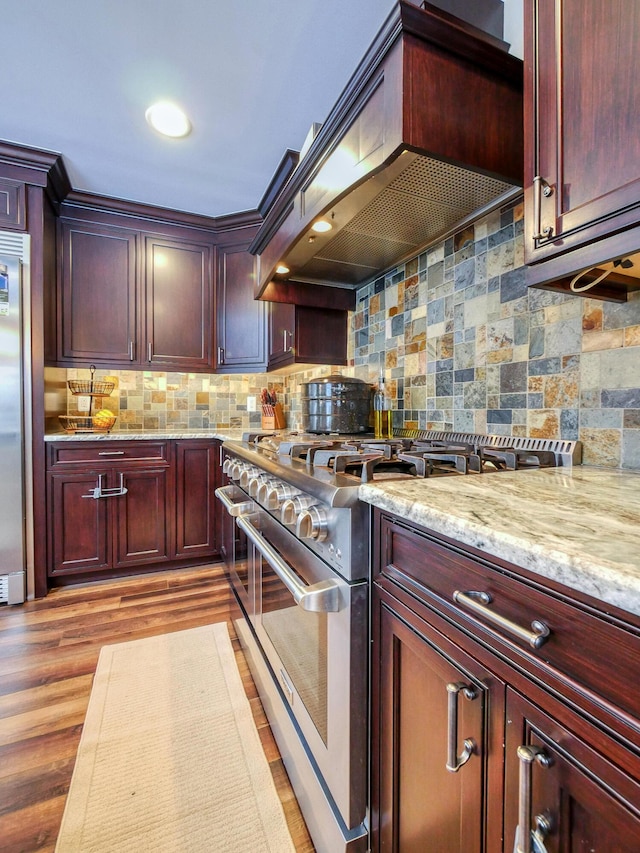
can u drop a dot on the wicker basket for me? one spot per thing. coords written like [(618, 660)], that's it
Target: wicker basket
[(89, 388), (85, 423)]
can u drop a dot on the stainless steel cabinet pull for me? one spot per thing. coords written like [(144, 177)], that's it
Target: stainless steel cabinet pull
[(322, 597), (111, 453), (454, 761), (524, 836), (234, 508), (149, 351), (220, 355), (98, 492), (540, 188), (478, 601), (130, 350)]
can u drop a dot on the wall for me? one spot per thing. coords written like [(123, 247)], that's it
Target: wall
[(466, 346)]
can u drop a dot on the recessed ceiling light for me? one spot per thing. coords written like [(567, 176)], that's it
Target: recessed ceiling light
[(168, 119), (321, 225), (282, 269)]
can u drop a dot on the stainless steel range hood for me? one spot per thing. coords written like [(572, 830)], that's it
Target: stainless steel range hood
[(427, 133)]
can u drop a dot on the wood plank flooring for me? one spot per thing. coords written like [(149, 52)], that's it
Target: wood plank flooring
[(48, 655)]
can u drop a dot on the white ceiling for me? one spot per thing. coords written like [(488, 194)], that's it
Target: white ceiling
[(253, 77)]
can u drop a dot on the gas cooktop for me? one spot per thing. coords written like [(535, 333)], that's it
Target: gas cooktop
[(349, 460)]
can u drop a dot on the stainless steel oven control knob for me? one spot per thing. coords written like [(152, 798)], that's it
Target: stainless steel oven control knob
[(264, 488), (292, 507), (255, 482), (277, 494), (227, 465), (236, 468), (312, 523), (247, 473)]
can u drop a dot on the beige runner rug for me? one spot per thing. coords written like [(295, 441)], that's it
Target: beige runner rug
[(170, 760)]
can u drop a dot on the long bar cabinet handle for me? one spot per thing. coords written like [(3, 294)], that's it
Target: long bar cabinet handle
[(149, 352), (455, 761), (478, 601), (321, 597), (527, 756), (220, 355), (540, 188), (130, 350), (111, 453)]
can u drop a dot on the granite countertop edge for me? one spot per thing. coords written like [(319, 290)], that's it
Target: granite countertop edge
[(579, 527), (148, 435)]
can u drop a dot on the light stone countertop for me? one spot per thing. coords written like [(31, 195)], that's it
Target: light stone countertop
[(579, 526), (150, 434)]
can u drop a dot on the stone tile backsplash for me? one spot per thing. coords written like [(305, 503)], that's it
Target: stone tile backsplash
[(464, 346)]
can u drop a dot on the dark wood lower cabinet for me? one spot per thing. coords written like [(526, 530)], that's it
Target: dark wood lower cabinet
[(77, 527), (430, 691), (155, 509), (142, 518), (579, 800), (197, 474), (480, 739)]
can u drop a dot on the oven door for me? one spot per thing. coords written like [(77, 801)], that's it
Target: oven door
[(312, 627), (234, 547)]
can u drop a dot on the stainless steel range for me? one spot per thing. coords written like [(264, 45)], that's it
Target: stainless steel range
[(296, 543)]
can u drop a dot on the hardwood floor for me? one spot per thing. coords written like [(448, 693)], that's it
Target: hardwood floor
[(48, 655)]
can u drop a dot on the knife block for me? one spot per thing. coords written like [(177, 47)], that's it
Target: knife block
[(273, 417)]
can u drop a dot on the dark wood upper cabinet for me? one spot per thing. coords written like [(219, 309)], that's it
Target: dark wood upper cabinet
[(582, 143), (178, 304), (127, 298), (299, 334), (98, 293), (240, 319)]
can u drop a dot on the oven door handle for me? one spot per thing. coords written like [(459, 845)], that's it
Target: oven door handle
[(322, 597), (234, 508)]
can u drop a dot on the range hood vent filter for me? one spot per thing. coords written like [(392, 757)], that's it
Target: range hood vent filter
[(423, 202)]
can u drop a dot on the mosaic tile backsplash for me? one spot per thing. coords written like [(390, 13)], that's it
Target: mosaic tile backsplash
[(463, 344)]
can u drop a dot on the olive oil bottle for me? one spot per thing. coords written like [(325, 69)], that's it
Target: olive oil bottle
[(382, 425)]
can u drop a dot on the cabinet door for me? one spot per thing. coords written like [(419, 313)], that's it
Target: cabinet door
[(178, 303), (240, 319), (78, 526), (320, 335), (300, 334), (197, 466), (428, 693), (282, 324), (574, 798), (97, 294), (582, 122), (141, 518)]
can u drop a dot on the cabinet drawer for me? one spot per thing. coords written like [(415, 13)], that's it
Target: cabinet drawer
[(105, 452), (583, 639)]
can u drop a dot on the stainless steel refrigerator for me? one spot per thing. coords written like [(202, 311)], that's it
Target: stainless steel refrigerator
[(14, 406)]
